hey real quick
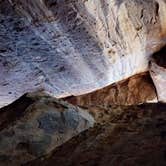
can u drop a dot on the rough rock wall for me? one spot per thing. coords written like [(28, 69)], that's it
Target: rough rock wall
[(128, 31), (132, 136), (75, 47), (135, 90), (53, 57)]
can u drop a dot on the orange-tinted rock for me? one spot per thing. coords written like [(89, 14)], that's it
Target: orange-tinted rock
[(135, 90), (69, 48)]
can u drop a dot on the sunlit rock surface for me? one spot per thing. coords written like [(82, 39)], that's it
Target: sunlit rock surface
[(135, 90), (35, 124), (98, 53), (74, 47)]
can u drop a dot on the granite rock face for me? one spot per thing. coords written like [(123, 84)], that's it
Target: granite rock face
[(71, 47), (34, 125)]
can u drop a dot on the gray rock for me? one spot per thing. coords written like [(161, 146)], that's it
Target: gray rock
[(38, 128), (69, 48), (51, 123)]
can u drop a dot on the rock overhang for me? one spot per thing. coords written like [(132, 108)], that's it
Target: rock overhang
[(78, 46)]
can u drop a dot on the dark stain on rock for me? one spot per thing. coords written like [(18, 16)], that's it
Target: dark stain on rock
[(4, 158), (22, 146), (156, 8), (163, 134), (9, 133), (39, 148), (51, 123)]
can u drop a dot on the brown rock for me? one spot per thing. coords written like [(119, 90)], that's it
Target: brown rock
[(135, 90), (127, 139)]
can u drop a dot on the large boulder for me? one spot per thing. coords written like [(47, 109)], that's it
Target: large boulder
[(36, 124)]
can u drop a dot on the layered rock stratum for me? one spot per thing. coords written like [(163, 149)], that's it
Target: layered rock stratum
[(135, 90)]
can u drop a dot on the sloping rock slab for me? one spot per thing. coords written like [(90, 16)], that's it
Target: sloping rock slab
[(134, 137)]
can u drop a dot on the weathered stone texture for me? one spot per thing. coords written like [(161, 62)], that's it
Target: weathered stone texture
[(135, 90), (71, 47), (34, 125)]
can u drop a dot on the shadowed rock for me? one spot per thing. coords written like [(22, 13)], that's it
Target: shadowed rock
[(36, 124), (129, 136), (158, 73)]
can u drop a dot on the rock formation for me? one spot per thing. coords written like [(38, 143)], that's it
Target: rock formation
[(71, 47), (101, 55), (35, 125), (158, 73), (135, 90), (135, 136)]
